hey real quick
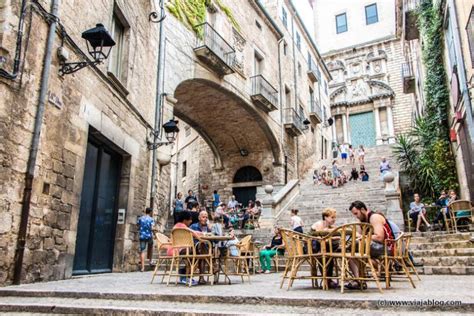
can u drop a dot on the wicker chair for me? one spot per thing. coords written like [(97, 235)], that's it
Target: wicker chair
[(295, 244), (185, 250), (240, 262), (254, 220), (396, 253), (162, 245), (353, 247), (461, 215)]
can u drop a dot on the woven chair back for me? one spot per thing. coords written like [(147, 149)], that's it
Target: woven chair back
[(460, 205), (355, 238), (182, 238), (161, 239), (244, 243), (288, 240)]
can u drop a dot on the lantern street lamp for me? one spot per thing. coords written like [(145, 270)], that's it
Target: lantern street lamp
[(99, 44), (171, 129)]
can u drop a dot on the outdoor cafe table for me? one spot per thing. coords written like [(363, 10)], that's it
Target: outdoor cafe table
[(215, 240)]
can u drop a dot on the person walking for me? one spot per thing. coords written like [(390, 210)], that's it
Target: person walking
[(145, 231), (178, 206), (216, 200), (296, 221), (361, 154)]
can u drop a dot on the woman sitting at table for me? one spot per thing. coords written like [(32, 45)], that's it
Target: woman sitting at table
[(326, 225), (417, 212), (269, 251)]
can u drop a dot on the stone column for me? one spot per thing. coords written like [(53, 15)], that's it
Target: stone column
[(391, 132), (378, 132), (267, 218), (333, 130), (344, 128), (348, 128), (394, 213)]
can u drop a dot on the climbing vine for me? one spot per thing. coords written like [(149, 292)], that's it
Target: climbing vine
[(193, 12), (425, 154)]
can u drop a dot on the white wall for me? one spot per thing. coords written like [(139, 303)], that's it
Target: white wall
[(358, 32)]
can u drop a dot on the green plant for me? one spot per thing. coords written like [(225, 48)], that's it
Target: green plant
[(193, 12), (425, 154)]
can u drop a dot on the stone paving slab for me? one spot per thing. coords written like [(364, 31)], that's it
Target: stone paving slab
[(262, 289)]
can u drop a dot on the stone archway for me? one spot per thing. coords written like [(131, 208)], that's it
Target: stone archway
[(246, 180), (233, 128)]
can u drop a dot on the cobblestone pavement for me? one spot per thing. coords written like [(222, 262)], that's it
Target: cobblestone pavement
[(261, 296)]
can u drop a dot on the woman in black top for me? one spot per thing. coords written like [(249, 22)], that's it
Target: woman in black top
[(269, 251)]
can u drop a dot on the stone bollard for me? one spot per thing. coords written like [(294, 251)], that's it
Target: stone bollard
[(393, 213), (266, 219)]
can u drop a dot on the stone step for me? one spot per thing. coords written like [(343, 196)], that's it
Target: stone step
[(457, 270), (442, 245), (430, 237), (443, 252), (463, 261)]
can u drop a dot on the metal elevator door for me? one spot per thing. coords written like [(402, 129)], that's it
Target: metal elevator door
[(98, 211)]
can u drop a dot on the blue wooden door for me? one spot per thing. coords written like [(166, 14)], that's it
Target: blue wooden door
[(362, 129)]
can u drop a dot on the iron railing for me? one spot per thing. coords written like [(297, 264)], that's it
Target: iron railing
[(290, 116), (316, 108), (410, 5), (209, 37), (260, 86), (407, 70)]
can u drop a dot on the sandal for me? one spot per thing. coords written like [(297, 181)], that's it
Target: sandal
[(354, 285)]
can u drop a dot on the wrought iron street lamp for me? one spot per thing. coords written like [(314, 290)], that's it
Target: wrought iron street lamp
[(171, 129), (99, 44)]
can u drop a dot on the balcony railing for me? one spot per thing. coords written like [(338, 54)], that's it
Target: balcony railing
[(408, 78), (293, 122), (312, 74), (410, 17), (264, 94), (315, 112), (214, 50)]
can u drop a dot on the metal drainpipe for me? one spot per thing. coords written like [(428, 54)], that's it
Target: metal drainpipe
[(282, 128), (29, 176), (296, 87), (158, 105), (16, 62)]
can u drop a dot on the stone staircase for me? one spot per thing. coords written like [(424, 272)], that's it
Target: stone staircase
[(314, 198), (442, 253)]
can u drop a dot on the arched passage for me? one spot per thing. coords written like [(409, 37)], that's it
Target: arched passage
[(245, 181), (229, 125)]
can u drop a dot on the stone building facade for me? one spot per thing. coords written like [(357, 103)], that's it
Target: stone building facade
[(362, 47), (226, 80), (459, 64), (274, 45), (93, 158)]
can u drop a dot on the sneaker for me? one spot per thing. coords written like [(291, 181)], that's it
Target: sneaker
[(267, 271), (182, 280)]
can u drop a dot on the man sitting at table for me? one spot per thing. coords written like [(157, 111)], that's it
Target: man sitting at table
[(201, 226), (382, 231)]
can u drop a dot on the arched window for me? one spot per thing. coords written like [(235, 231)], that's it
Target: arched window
[(247, 174)]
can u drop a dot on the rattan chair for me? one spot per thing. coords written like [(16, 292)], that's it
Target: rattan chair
[(461, 215), (240, 263), (186, 251), (396, 253), (353, 246), (162, 245), (295, 246), (254, 220)]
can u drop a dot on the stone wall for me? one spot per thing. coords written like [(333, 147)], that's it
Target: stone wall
[(78, 104)]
